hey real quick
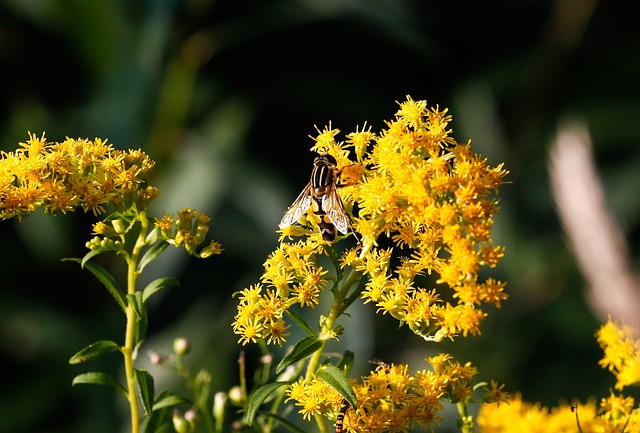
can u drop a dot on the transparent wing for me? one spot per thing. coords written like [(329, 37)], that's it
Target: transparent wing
[(298, 208), (332, 206)]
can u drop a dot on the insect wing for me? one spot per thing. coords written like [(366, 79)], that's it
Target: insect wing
[(332, 205), (298, 208)]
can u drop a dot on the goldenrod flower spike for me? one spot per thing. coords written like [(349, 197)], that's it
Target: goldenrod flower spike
[(76, 173), (433, 197)]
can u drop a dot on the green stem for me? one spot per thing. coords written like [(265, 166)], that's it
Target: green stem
[(334, 313), (322, 424), (127, 351), (201, 400), (207, 415), (466, 421), (129, 348)]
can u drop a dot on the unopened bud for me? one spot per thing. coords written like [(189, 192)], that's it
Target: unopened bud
[(180, 424), (235, 395), (181, 346)]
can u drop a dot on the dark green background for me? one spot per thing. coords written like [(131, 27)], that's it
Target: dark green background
[(224, 94)]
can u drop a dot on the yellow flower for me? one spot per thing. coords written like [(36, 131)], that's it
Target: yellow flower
[(250, 330), (314, 397), (277, 332), (621, 353)]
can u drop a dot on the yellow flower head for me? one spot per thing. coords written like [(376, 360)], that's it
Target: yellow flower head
[(434, 199), (518, 416), (621, 353), (390, 399), (76, 173)]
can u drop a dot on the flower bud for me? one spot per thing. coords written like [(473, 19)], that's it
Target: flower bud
[(235, 395), (219, 404), (181, 346), (180, 424), (118, 225)]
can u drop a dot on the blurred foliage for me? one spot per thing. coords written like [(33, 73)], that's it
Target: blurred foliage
[(224, 94)]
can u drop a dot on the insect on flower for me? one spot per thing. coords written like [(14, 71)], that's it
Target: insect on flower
[(341, 414), (321, 193)]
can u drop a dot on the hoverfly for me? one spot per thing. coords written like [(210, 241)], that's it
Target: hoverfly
[(321, 193), (340, 418)]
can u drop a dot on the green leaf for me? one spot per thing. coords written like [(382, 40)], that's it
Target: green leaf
[(99, 378), (152, 237), (151, 254), (106, 279), (300, 322), (356, 294), (335, 378), (146, 388), (285, 422), (346, 362), (169, 401), (138, 306), (160, 419), (91, 254), (93, 351), (141, 313), (157, 285), (259, 396), (301, 350), (331, 253)]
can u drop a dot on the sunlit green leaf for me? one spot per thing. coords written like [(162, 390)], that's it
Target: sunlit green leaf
[(146, 389), (355, 294), (285, 422), (336, 262), (93, 351), (335, 378), (301, 350), (346, 362), (300, 322), (157, 285), (151, 254), (106, 279), (259, 396), (141, 313), (99, 378), (92, 254), (138, 306), (160, 419), (169, 401)]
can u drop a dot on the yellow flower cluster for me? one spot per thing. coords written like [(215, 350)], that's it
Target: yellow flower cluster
[(518, 416), (188, 230), (615, 413), (390, 399), (621, 353), (75, 173), (421, 204), (293, 277), (432, 199)]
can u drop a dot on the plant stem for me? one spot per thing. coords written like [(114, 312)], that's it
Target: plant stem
[(466, 421), (335, 312), (129, 348), (127, 352), (322, 424)]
